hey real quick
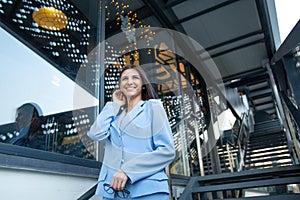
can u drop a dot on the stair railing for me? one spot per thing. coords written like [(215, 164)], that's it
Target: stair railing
[(293, 121), (88, 194), (241, 129), (219, 186), (240, 140)]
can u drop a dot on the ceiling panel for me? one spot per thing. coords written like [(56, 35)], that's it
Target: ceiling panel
[(241, 60), (223, 24), (234, 33), (194, 6)]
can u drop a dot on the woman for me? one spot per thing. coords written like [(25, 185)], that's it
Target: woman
[(138, 141), (28, 122)]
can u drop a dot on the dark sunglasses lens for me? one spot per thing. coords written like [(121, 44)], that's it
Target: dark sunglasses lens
[(108, 189), (123, 193)]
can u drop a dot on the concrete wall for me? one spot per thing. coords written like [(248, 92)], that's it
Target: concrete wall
[(21, 184)]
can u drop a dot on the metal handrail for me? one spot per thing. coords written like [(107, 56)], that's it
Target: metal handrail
[(88, 194), (241, 180), (292, 109), (293, 123), (240, 128)]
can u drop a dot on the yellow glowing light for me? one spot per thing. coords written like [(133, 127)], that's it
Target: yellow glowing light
[(50, 18)]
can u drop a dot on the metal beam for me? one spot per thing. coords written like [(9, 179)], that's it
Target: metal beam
[(47, 165), (293, 74), (203, 12), (264, 15), (172, 3), (247, 184), (236, 39), (289, 44), (88, 194), (238, 47), (295, 112), (240, 180), (246, 74)]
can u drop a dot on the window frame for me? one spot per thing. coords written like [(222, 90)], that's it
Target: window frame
[(18, 157)]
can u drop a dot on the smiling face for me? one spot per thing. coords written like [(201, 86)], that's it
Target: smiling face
[(131, 84)]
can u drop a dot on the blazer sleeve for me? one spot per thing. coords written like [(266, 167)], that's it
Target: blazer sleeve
[(100, 129), (149, 163)]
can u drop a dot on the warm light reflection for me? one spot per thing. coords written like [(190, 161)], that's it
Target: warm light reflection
[(50, 18)]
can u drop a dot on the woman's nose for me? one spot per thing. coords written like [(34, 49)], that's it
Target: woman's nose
[(130, 81)]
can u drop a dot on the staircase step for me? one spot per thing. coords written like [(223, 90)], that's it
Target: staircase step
[(223, 167), (273, 162), (276, 140), (265, 132), (266, 146), (275, 121), (267, 165), (268, 154), (268, 149), (267, 138), (222, 164), (267, 125), (280, 141), (278, 159), (271, 126), (267, 135)]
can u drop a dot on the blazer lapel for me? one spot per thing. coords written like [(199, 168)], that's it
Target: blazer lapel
[(138, 108)]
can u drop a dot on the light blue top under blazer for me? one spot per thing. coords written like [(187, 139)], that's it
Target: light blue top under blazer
[(140, 143)]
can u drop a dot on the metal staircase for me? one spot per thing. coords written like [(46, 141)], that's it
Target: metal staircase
[(233, 185), (226, 155), (268, 167), (267, 146)]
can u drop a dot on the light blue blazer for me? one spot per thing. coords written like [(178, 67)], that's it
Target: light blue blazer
[(140, 143)]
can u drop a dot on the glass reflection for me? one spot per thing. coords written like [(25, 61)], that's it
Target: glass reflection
[(46, 73), (61, 132)]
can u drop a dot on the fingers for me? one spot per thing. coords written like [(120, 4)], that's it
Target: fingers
[(116, 95), (119, 180), (119, 97)]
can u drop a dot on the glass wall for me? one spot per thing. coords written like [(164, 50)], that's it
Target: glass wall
[(48, 89), (229, 129), (62, 60)]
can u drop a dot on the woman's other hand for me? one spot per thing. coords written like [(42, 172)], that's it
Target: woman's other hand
[(119, 180)]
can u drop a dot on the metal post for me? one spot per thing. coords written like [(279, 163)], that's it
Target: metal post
[(199, 148), (266, 64), (279, 103), (100, 67)]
